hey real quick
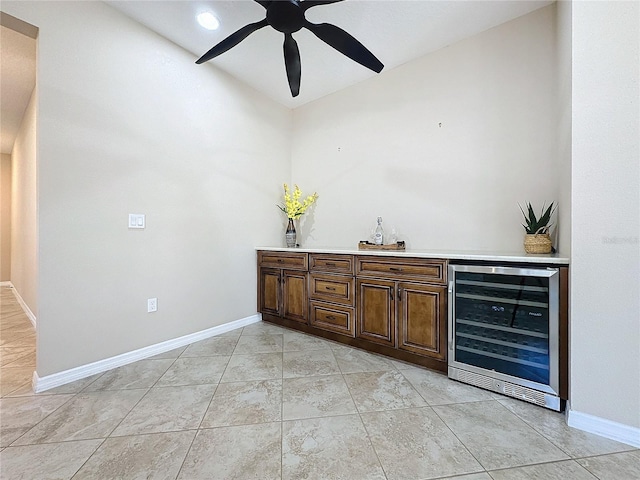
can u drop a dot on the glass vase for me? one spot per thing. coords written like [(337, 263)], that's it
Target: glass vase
[(290, 234)]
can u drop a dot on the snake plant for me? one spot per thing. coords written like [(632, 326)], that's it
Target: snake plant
[(534, 224)]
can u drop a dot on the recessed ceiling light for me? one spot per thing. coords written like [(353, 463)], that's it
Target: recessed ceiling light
[(208, 20)]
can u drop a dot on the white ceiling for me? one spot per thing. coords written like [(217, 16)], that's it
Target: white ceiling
[(396, 31)]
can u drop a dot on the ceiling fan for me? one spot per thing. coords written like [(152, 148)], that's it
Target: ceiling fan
[(287, 16)]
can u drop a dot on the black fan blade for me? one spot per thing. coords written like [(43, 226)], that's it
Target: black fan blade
[(292, 63), (232, 40), (306, 4), (345, 44), (264, 3)]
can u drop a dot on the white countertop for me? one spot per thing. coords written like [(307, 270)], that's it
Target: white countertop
[(520, 257)]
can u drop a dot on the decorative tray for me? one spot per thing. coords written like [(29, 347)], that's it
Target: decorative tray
[(363, 245)]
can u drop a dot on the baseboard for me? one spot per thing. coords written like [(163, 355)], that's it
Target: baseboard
[(25, 308), (40, 384), (605, 428)]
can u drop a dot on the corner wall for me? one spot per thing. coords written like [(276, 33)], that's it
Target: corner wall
[(127, 123), (605, 250), (443, 147), (5, 217), (24, 210)]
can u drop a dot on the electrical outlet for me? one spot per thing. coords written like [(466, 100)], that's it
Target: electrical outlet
[(152, 305)]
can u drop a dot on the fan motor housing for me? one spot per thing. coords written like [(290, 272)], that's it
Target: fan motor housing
[(286, 16)]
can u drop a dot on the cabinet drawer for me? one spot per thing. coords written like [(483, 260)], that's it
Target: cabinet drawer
[(291, 261), (335, 318), (332, 288), (331, 263), (426, 270)]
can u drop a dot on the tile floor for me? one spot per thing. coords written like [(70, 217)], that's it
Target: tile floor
[(264, 403)]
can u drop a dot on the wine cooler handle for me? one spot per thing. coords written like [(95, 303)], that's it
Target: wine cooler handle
[(451, 319)]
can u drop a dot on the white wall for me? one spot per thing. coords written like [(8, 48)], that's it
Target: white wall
[(443, 147), (127, 123), (24, 215), (5, 217), (563, 124), (605, 252)]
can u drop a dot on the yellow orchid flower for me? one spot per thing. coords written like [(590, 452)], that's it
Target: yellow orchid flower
[(292, 205)]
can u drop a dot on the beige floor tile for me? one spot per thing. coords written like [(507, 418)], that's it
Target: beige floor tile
[(471, 476), (140, 374), (259, 366), (167, 409), (309, 364), (194, 371), (298, 342), (258, 344), (617, 466), (175, 353), (12, 378), (553, 426), (72, 387), (242, 452), (18, 415), (28, 360), (235, 333), (400, 365), (28, 340), (211, 347), (11, 354), (18, 328), (86, 416), (496, 437), (309, 397), (157, 456), (53, 461), (437, 389), (7, 309), (415, 443), (375, 391), (351, 360), (263, 328), (567, 470), (245, 403), (335, 448)]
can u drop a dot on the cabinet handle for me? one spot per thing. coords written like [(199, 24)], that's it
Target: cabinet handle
[(330, 317), (280, 260), (391, 293), (333, 289), (399, 294), (395, 269), (330, 264)]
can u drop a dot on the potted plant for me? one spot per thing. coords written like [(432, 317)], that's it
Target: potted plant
[(537, 239), (294, 209)]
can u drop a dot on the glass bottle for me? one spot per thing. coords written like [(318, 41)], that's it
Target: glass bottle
[(378, 237)]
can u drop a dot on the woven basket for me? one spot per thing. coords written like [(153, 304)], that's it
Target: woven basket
[(537, 243)]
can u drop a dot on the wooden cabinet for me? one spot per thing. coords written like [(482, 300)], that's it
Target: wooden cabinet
[(390, 305), (402, 303), (422, 325), (282, 292), (376, 311), (332, 293)]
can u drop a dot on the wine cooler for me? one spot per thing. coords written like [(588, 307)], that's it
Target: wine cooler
[(503, 331)]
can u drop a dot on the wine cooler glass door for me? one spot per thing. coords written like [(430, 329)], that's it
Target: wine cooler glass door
[(506, 321)]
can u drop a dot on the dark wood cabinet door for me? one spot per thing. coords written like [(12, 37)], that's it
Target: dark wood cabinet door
[(422, 319), (295, 299), (376, 311), (270, 291)]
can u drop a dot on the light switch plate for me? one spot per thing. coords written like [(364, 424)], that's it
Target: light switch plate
[(136, 220)]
